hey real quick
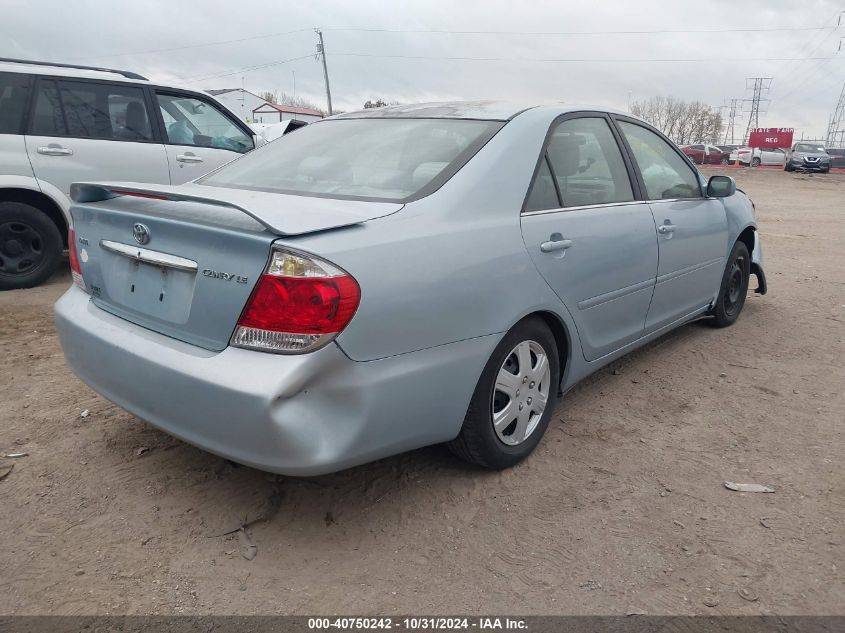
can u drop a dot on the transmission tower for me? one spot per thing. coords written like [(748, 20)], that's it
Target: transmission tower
[(836, 129), (758, 87), (732, 116)]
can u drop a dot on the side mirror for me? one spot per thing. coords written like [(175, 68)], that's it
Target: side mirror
[(721, 187)]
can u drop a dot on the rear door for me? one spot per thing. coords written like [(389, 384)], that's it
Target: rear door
[(589, 236), (199, 135), (93, 130), (692, 230)]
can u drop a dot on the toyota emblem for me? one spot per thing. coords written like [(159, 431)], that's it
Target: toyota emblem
[(141, 233)]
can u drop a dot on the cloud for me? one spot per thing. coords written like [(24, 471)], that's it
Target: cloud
[(415, 66)]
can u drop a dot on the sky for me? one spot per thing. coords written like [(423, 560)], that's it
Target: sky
[(534, 51)]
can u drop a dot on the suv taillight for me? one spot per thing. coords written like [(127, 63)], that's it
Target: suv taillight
[(73, 256), (299, 304)]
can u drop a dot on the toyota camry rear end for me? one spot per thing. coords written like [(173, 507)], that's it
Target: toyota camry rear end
[(249, 313)]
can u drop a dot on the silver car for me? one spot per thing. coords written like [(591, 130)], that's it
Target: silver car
[(385, 280)]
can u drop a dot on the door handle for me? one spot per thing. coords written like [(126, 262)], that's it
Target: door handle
[(666, 228), (555, 243), (188, 158), (55, 150)]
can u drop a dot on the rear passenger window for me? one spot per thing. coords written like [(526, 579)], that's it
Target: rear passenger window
[(91, 110), (665, 174), (587, 164), (14, 89)]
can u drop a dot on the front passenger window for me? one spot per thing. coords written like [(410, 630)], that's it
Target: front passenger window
[(665, 174), (190, 121)]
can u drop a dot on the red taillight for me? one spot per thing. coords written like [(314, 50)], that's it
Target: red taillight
[(300, 303), (73, 256)]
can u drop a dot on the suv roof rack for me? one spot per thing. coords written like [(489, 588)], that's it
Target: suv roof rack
[(126, 73)]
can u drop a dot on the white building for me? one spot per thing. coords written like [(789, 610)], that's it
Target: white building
[(276, 112), (241, 102)]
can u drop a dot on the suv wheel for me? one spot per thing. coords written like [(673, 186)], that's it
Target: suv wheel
[(30, 246)]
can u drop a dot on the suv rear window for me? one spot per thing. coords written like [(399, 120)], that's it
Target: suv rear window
[(14, 89), (390, 160)]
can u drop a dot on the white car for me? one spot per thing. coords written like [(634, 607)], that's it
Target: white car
[(758, 156), (61, 124)]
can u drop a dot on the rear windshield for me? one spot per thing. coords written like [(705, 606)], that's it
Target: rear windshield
[(391, 160)]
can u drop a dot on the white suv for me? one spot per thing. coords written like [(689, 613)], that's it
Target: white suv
[(61, 124)]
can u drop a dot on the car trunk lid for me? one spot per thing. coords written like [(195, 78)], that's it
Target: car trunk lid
[(181, 264)]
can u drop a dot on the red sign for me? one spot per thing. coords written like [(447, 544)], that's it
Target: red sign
[(771, 137)]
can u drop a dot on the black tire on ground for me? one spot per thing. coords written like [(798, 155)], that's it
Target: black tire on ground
[(825, 171), (755, 162), (734, 287), (787, 167), (30, 246), (478, 442), (725, 160)]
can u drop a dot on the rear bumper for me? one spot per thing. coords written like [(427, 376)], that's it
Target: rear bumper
[(296, 415)]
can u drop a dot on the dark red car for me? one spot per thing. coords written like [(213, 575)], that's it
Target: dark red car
[(703, 154)]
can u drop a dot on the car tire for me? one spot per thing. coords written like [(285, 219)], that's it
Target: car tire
[(519, 353), (726, 161), (787, 167), (734, 287), (755, 162), (30, 246), (826, 171)]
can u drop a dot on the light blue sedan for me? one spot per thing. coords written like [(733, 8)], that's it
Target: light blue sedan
[(388, 279)]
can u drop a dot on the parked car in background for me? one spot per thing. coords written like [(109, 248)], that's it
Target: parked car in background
[(805, 156), (837, 157), (703, 154), (727, 150), (271, 131), (757, 156), (388, 279), (61, 123)]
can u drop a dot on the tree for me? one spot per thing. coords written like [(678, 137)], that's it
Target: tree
[(684, 122), (378, 103), (269, 97)]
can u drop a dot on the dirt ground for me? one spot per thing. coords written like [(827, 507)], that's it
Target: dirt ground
[(621, 509)]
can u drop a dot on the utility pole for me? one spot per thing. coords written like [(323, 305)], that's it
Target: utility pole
[(836, 128), (729, 128), (758, 85), (321, 51)]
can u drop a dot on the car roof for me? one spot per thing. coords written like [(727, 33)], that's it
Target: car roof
[(482, 109), (80, 72)]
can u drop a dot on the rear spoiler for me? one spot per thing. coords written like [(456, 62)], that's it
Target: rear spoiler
[(282, 214)]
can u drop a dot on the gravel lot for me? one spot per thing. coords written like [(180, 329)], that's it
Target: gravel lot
[(621, 509)]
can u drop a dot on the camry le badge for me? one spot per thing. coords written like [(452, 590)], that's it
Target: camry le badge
[(141, 233)]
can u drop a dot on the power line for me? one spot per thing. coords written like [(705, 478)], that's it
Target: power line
[(244, 70), (575, 33), (573, 59), (191, 46), (758, 87)]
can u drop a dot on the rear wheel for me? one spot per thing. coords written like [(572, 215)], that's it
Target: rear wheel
[(513, 400), (726, 160), (755, 162), (30, 246), (734, 287)]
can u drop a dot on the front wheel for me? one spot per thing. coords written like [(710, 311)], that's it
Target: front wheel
[(513, 400), (726, 160), (734, 287), (30, 246), (755, 162)]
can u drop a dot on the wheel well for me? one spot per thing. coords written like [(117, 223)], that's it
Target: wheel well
[(561, 337), (747, 237), (40, 201)]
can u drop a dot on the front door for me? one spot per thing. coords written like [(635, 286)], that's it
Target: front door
[(692, 229), (86, 130), (594, 244), (199, 136)]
